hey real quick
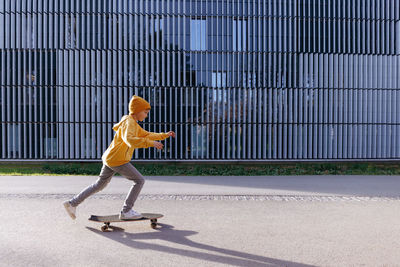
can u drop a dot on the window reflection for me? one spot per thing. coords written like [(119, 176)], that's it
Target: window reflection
[(218, 79), (239, 34), (14, 139), (199, 141), (71, 32), (398, 38), (198, 34)]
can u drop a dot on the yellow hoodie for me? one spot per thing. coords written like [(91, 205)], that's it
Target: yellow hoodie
[(129, 135)]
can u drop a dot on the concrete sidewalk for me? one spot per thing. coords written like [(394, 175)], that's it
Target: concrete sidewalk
[(330, 185)]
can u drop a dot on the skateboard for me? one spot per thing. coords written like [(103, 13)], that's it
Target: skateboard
[(115, 218)]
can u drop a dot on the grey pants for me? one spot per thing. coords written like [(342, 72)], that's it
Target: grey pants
[(127, 170)]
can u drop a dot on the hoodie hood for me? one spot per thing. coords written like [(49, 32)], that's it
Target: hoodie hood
[(120, 123)]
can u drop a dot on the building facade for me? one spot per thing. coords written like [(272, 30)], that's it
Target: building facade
[(254, 80)]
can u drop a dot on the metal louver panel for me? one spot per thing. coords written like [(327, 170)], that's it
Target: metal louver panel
[(236, 80)]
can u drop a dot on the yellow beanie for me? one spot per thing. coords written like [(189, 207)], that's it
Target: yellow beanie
[(138, 104)]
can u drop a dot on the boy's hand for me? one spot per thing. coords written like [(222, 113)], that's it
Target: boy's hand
[(171, 133), (158, 145)]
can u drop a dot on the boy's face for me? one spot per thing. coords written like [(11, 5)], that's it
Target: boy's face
[(142, 115)]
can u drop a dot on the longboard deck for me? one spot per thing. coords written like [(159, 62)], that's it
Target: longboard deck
[(115, 218)]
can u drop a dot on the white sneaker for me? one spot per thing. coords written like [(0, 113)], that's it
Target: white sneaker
[(71, 210), (130, 215)]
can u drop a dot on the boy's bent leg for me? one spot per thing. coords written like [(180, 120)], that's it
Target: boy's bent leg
[(104, 178), (133, 174)]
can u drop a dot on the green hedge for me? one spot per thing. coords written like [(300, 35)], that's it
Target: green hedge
[(208, 169)]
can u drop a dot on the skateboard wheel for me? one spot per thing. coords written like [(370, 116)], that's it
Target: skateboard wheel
[(153, 220), (153, 225), (104, 228)]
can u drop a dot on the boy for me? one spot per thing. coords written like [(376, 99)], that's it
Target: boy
[(129, 135)]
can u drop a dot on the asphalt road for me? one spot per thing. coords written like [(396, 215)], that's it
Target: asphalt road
[(209, 221)]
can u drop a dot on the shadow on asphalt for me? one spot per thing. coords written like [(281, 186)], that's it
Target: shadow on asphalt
[(367, 185), (179, 237)]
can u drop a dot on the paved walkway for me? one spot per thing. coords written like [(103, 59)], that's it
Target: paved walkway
[(329, 185), (209, 221)]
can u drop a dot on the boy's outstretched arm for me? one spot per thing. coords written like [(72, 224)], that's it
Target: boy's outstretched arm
[(156, 136), (137, 142)]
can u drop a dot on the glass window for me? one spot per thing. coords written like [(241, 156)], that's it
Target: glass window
[(71, 32), (51, 144), (398, 38), (218, 79), (14, 141), (198, 34), (249, 79), (239, 35), (2, 30), (199, 140)]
